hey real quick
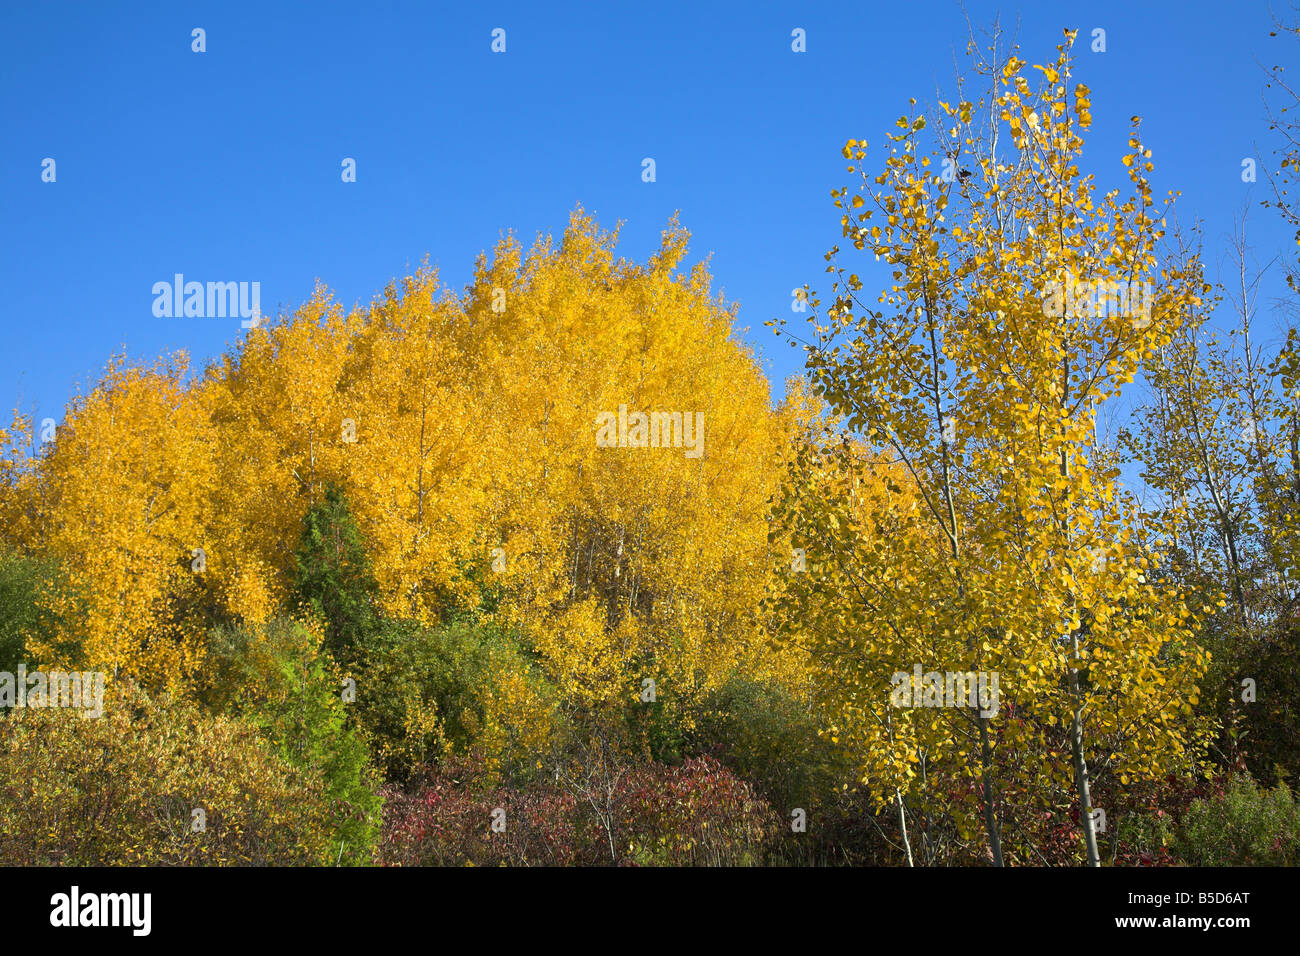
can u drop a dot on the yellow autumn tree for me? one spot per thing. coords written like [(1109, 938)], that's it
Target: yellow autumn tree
[(121, 498), (1021, 301), (464, 430)]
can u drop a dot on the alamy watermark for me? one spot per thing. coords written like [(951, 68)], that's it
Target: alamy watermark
[(212, 300), (75, 908), (653, 430), (1100, 298), (947, 689), (82, 690)]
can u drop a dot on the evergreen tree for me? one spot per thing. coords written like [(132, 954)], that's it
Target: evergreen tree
[(333, 576)]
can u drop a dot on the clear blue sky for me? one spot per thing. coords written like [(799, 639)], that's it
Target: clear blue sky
[(226, 165)]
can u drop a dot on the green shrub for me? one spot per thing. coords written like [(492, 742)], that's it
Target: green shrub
[(457, 688), (1245, 826), (770, 738), (280, 680), (25, 582)]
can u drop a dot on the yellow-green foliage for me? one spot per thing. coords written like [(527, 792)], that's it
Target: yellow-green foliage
[(122, 789)]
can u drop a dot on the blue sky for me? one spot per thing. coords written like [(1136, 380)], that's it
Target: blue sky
[(225, 165)]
